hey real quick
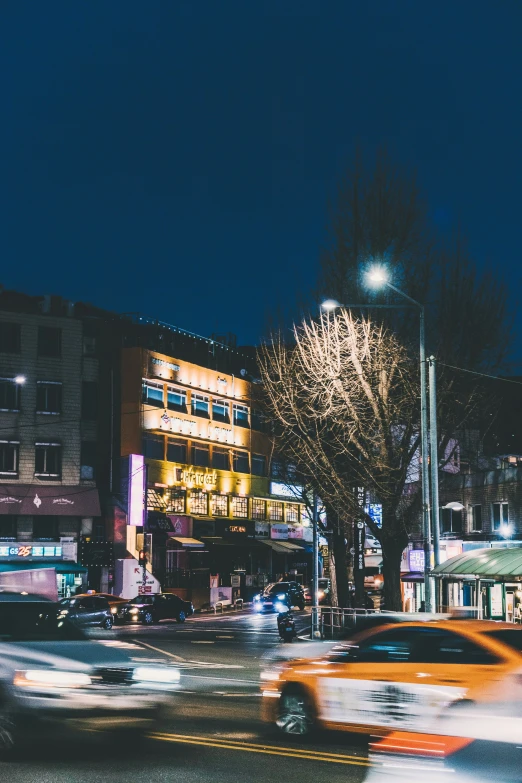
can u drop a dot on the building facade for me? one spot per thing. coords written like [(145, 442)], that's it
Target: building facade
[(48, 438)]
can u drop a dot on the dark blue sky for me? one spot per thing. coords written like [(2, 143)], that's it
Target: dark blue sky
[(176, 157)]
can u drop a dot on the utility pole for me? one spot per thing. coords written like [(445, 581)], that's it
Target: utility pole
[(425, 473), (434, 459), (315, 571)]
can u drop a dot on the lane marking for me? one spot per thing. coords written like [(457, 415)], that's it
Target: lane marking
[(333, 758), (164, 652), (224, 637), (201, 641)]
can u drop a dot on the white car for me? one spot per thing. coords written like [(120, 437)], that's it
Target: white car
[(52, 675)]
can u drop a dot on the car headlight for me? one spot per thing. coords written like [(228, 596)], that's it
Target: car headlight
[(134, 611), (158, 674), (257, 598), (114, 610), (281, 596), (51, 678), (279, 607)]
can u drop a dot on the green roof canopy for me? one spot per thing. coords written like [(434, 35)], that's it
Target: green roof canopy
[(63, 567), (485, 563)]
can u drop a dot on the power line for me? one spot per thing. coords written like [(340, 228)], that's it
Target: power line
[(481, 374)]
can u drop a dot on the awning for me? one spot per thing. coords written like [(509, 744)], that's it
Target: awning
[(60, 568), (412, 576), (59, 500), (187, 542), (282, 547), (483, 563)]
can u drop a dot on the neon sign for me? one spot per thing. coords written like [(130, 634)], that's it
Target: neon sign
[(29, 551)]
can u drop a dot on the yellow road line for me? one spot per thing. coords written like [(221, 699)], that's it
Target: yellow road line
[(311, 755)]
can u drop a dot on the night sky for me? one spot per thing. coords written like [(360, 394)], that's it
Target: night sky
[(177, 158)]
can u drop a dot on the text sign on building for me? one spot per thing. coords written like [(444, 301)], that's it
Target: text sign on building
[(286, 490), (416, 560), (163, 368), (374, 511), (279, 531), (28, 551), (136, 490), (195, 476)]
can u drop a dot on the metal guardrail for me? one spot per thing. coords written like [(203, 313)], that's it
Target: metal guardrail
[(331, 621)]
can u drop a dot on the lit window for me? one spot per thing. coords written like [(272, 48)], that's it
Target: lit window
[(48, 460), (240, 415), (292, 512), (199, 404), (258, 508), (152, 394), (176, 504), (500, 515), (240, 507), (275, 511), (220, 411), (198, 502), (176, 399), (9, 451), (48, 397), (220, 505)]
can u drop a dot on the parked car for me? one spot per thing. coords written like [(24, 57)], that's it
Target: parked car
[(114, 602), (150, 609), (87, 610), (55, 680), (279, 597)]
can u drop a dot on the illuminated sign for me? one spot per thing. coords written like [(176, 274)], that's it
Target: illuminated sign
[(136, 490), (196, 477), (236, 529), (374, 510), (286, 490), (416, 560), (167, 365), (24, 551)]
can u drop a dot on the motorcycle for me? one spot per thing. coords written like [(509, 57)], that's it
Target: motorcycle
[(286, 626)]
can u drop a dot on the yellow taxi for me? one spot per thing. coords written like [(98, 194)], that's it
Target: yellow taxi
[(393, 677)]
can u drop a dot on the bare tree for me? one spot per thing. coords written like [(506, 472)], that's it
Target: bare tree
[(343, 398)]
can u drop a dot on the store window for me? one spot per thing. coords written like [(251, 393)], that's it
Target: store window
[(221, 411), (220, 505), (176, 399), (500, 515), (200, 405), (48, 397), (10, 393), (89, 400), (152, 447), (8, 527), (177, 450), (220, 458), (476, 518), (241, 463), (198, 502), (45, 528), (9, 455), (240, 507), (258, 508), (88, 460), (275, 511), (451, 520), (292, 512), (240, 415), (177, 501), (49, 341), (48, 460), (9, 337), (258, 465), (200, 455), (152, 394)]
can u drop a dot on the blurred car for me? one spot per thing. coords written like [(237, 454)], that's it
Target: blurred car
[(280, 597), (392, 677), (150, 609), (53, 678), (323, 594), (87, 610), (114, 602)]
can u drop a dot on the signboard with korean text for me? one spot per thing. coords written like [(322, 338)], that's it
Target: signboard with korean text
[(296, 531), (416, 560), (374, 511), (279, 531), (31, 551)]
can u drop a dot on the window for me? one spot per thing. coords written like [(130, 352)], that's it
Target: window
[(451, 520), (258, 464), (500, 515), (177, 450), (177, 503), (89, 400), (220, 505), (9, 395), (152, 394), (240, 415), (220, 459), (9, 453), (198, 502), (9, 337), (445, 647), (220, 411), (49, 341), (476, 518), (258, 509), (258, 421), (240, 507), (45, 528), (48, 460), (395, 645), (48, 397), (199, 405), (88, 460), (8, 527), (152, 448), (176, 399), (292, 512), (89, 345), (200, 456), (275, 511), (241, 462)]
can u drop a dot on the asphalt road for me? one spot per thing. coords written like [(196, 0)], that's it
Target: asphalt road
[(214, 732)]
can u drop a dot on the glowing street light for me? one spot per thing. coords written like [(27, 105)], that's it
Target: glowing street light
[(20, 379), (329, 305), (377, 276)]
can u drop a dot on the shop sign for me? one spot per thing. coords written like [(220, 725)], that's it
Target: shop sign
[(192, 476), (236, 529), (28, 551), (295, 531), (262, 530), (286, 490), (496, 602), (374, 511), (163, 368), (416, 560), (279, 531)]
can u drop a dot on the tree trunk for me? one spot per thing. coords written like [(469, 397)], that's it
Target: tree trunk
[(392, 549), (341, 572)]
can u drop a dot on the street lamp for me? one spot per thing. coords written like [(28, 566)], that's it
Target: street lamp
[(378, 277), (20, 379)]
